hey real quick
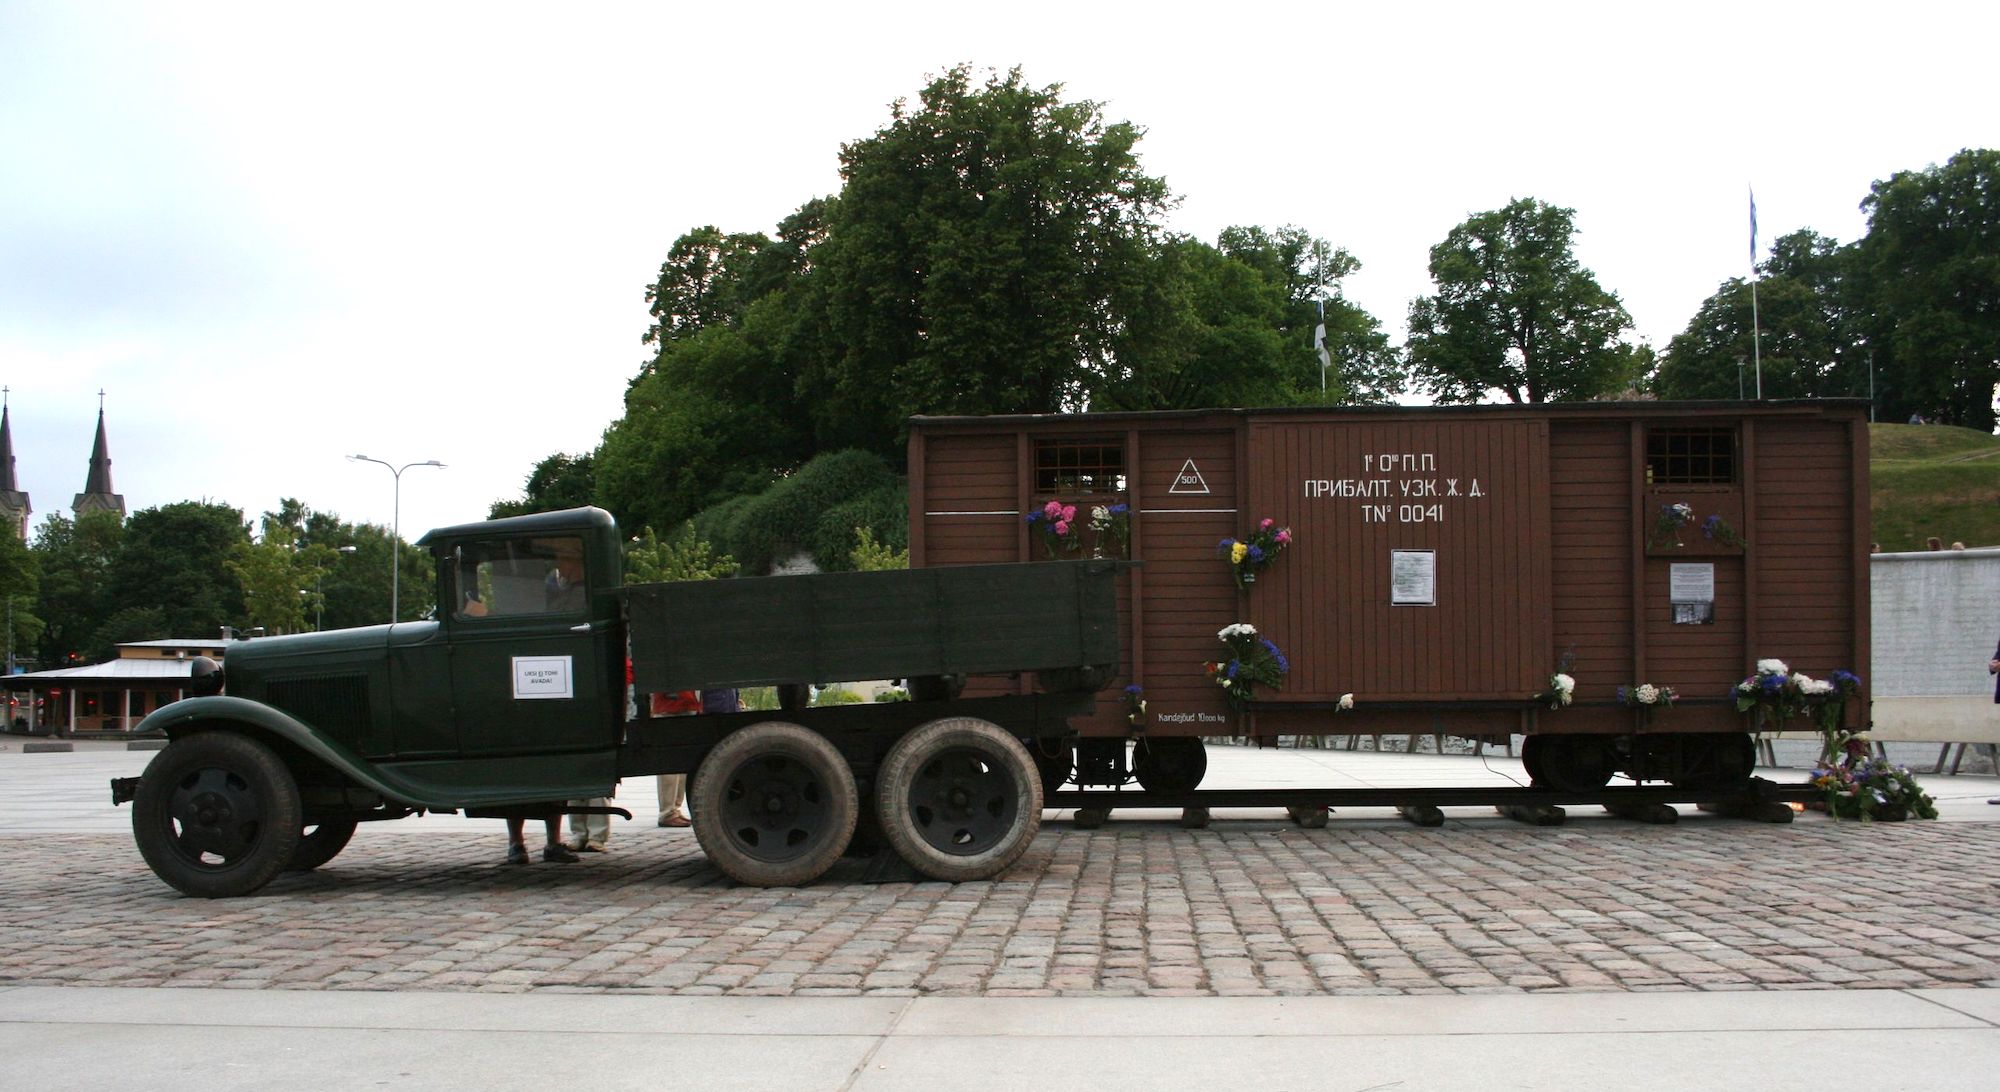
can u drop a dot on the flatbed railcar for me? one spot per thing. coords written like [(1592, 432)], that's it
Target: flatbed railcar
[(1444, 565)]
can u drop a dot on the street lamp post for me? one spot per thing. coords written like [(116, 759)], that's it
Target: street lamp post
[(396, 529)]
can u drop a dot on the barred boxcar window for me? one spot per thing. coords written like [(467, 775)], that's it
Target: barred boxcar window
[(1691, 456), (1079, 466)]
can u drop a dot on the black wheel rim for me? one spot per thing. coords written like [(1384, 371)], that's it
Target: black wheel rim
[(776, 808), (215, 817), (963, 802), (1577, 763)]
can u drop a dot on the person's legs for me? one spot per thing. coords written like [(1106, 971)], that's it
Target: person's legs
[(555, 850), (517, 852), (589, 832), (673, 799)]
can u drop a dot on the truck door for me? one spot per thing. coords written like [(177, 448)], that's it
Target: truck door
[(532, 667)]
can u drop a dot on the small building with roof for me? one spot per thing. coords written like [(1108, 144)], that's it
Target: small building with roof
[(110, 697)]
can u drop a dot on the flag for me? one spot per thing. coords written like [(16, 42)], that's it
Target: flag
[(1753, 228)]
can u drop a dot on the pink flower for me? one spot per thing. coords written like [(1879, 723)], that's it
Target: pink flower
[(1068, 513), (1062, 527), (1285, 535), (1052, 510), (1266, 525)]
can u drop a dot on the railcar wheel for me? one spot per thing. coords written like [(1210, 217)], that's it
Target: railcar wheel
[(320, 844), (1575, 763), (1714, 760), (774, 805), (216, 815), (1531, 759), (959, 799), (1173, 765)]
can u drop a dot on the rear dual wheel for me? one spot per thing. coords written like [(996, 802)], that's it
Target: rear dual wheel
[(774, 805), (959, 799)]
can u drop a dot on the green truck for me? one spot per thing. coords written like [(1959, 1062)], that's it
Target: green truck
[(528, 690)]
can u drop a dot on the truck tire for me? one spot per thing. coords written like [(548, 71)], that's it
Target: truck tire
[(959, 799), (774, 805), (320, 844), (216, 815), (1174, 765)]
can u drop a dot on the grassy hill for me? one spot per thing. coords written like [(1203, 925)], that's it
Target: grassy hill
[(1934, 481)]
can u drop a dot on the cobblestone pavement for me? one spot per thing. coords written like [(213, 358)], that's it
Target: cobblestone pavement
[(1133, 908)]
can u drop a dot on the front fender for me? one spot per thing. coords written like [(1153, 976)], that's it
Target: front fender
[(196, 714)]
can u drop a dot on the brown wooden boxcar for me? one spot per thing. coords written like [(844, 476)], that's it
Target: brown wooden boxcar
[(1445, 563)]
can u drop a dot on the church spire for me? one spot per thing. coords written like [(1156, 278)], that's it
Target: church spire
[(14, 507), (97, 495)]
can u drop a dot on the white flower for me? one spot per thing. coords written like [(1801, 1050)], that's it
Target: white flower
[(1563, 683), (1347, 701), (1239, 629), (1813, 687), (1772, 667), (1100, 517), (1647, 693), (1684, 512)]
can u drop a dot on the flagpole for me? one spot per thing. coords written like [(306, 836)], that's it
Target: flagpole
[(1756, 332)]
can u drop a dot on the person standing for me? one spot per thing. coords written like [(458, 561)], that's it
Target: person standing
[(1993, 669), (555, 850), (673, 787)]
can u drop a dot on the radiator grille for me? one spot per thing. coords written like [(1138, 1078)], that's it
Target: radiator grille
[(335, 704)]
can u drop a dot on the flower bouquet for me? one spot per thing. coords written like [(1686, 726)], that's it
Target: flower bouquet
[(1667, 528), (1112, 522), (1135, 706), (1717, 529), (1253, 661), (1647, 696), (1868, 788), (1248, 556), (1056, 523), (1561, 689)]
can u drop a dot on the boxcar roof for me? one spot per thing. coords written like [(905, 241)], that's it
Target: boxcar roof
[(1770, 407)]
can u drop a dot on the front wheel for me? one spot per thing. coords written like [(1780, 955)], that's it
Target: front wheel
[(320, 844), (774, 805), (959, 799), (216, 815)]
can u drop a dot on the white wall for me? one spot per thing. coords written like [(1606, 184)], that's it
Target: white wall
[(1936, 618)]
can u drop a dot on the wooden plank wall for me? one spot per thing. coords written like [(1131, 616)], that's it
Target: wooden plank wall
[(1473, 491), (1805, 547), (1591, 546)]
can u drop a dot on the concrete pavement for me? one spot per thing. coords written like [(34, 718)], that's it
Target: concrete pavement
[(1371, 954)]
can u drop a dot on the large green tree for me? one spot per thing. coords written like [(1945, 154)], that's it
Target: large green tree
[(1811, 340), (1233, 325), (75, 559), (976, 259), (174, 559), (1933, 251), (1516, 313), (557, 482)]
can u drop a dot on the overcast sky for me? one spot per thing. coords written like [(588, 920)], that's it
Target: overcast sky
[(278, 234)]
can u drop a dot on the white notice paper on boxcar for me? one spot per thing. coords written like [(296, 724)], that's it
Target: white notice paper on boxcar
[(1413, 578)]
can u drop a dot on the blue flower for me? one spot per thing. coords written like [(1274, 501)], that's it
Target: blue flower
[(1233, 665), (1134, 690), (1773, 683), (1119, 509), (1223, 546), (1256, 554)]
